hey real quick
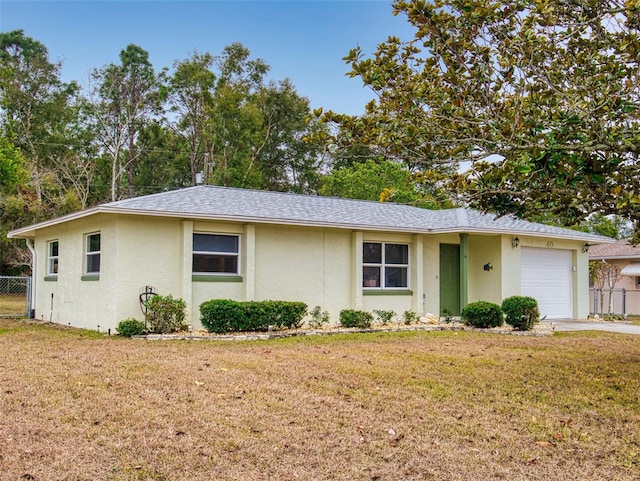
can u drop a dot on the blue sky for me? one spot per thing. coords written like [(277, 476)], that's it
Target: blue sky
[(303, 40)]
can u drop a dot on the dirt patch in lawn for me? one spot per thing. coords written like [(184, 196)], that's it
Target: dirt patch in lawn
[(378, 406)]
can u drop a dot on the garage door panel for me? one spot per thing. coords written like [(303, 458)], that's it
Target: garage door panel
[(547, 276)]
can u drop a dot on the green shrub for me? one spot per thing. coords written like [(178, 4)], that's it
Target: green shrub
[(318, 317), (482, 314), (225, 315), (521, 312), (384, 317), (218, 315), (130, 327), (409, 317), (354, 318), (165, 314)]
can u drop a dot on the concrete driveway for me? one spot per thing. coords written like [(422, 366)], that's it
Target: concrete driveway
[(571, 325)]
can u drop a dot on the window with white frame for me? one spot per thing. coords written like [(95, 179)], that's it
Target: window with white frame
[(385, 265), (216, 254), (92, 253), (52, 258)]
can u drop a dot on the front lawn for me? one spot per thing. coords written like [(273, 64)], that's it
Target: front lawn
[(383, 406)]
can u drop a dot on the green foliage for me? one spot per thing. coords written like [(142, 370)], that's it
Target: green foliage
[(549, 86), (12, 171), (225, 315), (521, 312), (409, 317), (318, 317), (384, 317), (378, 181), (165, 314), (355, 318), (482, 314), (130, 327)]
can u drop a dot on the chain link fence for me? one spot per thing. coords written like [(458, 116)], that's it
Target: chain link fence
[(15, 296)]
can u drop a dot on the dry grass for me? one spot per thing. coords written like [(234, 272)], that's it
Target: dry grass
[(403, 406), (13, 304)]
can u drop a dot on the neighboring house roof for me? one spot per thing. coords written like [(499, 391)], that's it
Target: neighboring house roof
[(621, 249), (240, 205)]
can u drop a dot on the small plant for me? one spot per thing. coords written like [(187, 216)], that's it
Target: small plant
[(409, 317), (165, 314), (521, 312), (318, 317), (354, 318), (384, 317), (483, 314), (448, 315), (130, 327)]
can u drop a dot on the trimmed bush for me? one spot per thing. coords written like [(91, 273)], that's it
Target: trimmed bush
[(482, 314), (353, 318), (218, 315), (521, 312), (130, 327), (165, 314), (225, 315)]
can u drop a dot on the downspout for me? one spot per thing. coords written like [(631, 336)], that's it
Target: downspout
[(32, 300), (464, 271)]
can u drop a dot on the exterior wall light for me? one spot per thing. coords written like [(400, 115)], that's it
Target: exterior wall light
[(487, 267), (515, 242), (585, 248)]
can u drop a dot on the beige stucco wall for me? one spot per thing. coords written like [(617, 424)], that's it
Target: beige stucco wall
[(90, 304), (318, 266), (312, 265), (485, 285), (632, 294)]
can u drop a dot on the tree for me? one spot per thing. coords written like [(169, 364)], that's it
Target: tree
[(191, 90), (378, 181), (550, 86), (600, 273), (37, 109), (164, 160), (124, 99), (12, 171), (255, 132)]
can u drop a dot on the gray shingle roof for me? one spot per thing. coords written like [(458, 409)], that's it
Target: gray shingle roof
[(283, 208), (241, 205)]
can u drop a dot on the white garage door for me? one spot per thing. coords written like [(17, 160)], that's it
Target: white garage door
[(546, 276)]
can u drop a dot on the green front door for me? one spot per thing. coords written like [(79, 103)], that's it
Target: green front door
[(450, 279)]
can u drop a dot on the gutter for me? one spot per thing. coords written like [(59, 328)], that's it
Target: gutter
[(32, 300)]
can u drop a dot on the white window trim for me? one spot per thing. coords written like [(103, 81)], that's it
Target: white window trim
[(382, 266), (213, 253), (51, 258), (92, 253)]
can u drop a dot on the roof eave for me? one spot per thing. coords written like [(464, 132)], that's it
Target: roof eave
[(518, 232), (29, 232)]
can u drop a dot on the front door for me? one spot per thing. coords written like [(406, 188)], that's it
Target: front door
[(450, 279)]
